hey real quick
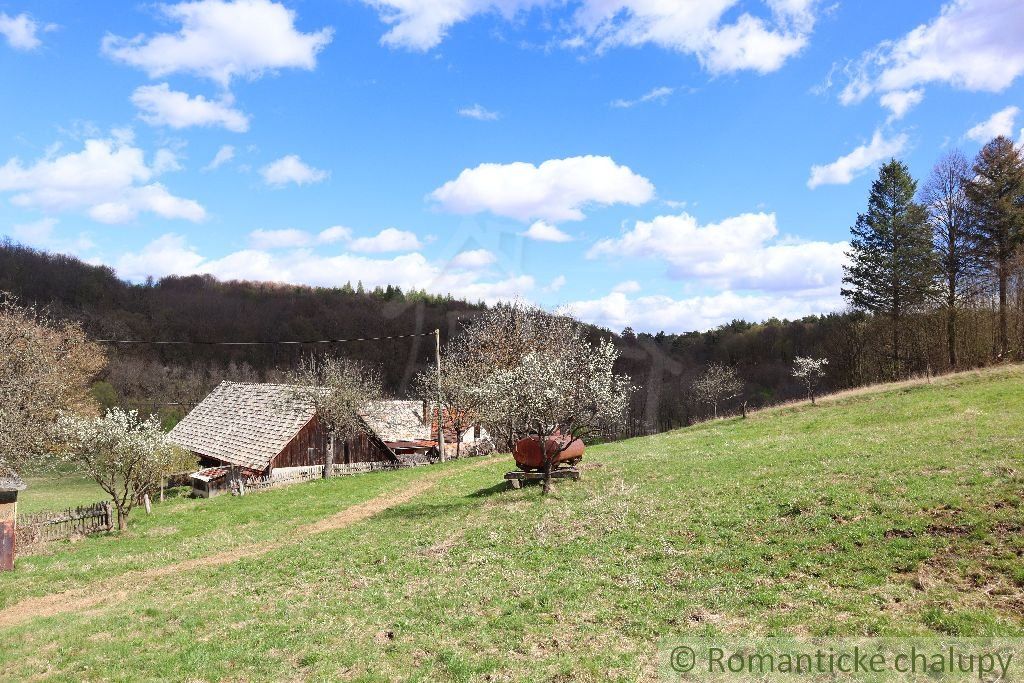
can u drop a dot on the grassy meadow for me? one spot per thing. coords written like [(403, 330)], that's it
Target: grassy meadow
[(883, 512)]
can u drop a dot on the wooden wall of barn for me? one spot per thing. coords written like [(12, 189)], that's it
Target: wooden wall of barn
[(358, 449)]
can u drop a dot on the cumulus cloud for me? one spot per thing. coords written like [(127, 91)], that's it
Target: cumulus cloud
[(972, 44), (335, 233), (545, 232), (277, 239), (556, 190), (655, 313), (171, 254), (225, 154), (847, 167), (109, 178), (627, 287), (480, 113), (388, 239), (222, 40), (158, 105), (1000, 123), (654, 95), (293, 237), (741, 252), (721, 43), (473, 259), (22, 31), (899, 102), (291, 169)]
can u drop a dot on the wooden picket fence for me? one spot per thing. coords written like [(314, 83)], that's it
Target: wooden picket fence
[(41, 527)]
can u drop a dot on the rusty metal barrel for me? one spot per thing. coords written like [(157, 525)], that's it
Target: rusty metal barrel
[(528, 453)]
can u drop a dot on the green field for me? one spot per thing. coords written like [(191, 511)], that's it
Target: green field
[(892, 511), (58, 491)]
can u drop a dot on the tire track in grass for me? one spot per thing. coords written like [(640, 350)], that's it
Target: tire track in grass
[(123, 586)]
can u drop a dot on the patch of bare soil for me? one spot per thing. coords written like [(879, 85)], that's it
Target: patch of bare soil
[(119, 588)]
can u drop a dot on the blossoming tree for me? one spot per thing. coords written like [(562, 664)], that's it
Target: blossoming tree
[(810, 371), (127, 455)]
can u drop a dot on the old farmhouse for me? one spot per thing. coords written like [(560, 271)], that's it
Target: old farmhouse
[(243, 430)]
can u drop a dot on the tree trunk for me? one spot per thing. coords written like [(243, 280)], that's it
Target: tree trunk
[(896, 346), (1003, 337), (951, 337), (122, 518), (547, 464)]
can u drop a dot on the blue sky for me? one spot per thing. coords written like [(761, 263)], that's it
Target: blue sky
[(638, 162)]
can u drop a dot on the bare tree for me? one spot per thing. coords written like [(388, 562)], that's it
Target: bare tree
[(45, 370), (126, 455), (461, 407), (950, 217), (719, 383), (561, 391), (340, 389), (810, 371)]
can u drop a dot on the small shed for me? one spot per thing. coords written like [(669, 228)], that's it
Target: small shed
[(10, 485), (259, 428)]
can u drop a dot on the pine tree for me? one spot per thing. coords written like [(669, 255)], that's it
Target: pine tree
[(950, 218), (996, 193), (891, 265)]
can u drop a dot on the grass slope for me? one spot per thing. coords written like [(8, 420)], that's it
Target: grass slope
[(889, 512)]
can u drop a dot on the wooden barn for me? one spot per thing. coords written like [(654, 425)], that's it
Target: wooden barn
[(243, 430)]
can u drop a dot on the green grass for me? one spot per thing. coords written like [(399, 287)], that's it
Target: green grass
[(58, 491), (890, 512)]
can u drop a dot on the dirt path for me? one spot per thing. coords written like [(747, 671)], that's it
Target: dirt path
[(123, 586)]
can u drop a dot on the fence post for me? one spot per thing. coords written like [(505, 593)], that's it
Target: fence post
[(108, 510)]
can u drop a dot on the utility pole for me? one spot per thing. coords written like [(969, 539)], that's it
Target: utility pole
[(440, 411)]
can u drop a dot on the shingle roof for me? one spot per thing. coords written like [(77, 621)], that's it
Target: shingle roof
[(397, 420), (243, 424), (249, 424)]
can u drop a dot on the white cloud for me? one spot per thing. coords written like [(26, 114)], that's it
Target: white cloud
[(847, 167), (109, 178), (480, 113), (627, 287), (556, 283), (545, 232), (972, 44), (388, 239), (557, 190), (656, 313), (165, 161), (21, 31), (291, 169), (221, 40), (158, 105), (172, 255), (656, 94), (473, 259), (741, 252), (720, 43), (278, 239), (335, 233), (225, 154), (899, 102), (1000, 123)]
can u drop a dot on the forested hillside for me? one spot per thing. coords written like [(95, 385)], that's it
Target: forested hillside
[(170, 379)]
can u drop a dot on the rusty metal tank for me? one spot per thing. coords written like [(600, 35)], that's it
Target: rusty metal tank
[(528, 453)]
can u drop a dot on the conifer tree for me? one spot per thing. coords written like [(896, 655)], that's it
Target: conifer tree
[(996, 193), (891, 265)]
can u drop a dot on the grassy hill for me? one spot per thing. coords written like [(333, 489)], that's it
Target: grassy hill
[(890, 511)]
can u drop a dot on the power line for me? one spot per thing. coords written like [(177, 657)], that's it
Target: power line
[(259, 343)]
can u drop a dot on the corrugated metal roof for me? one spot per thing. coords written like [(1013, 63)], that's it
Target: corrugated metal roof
[(243, 424)]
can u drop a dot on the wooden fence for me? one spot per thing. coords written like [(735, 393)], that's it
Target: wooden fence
[(295, 475), (51, 526)]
